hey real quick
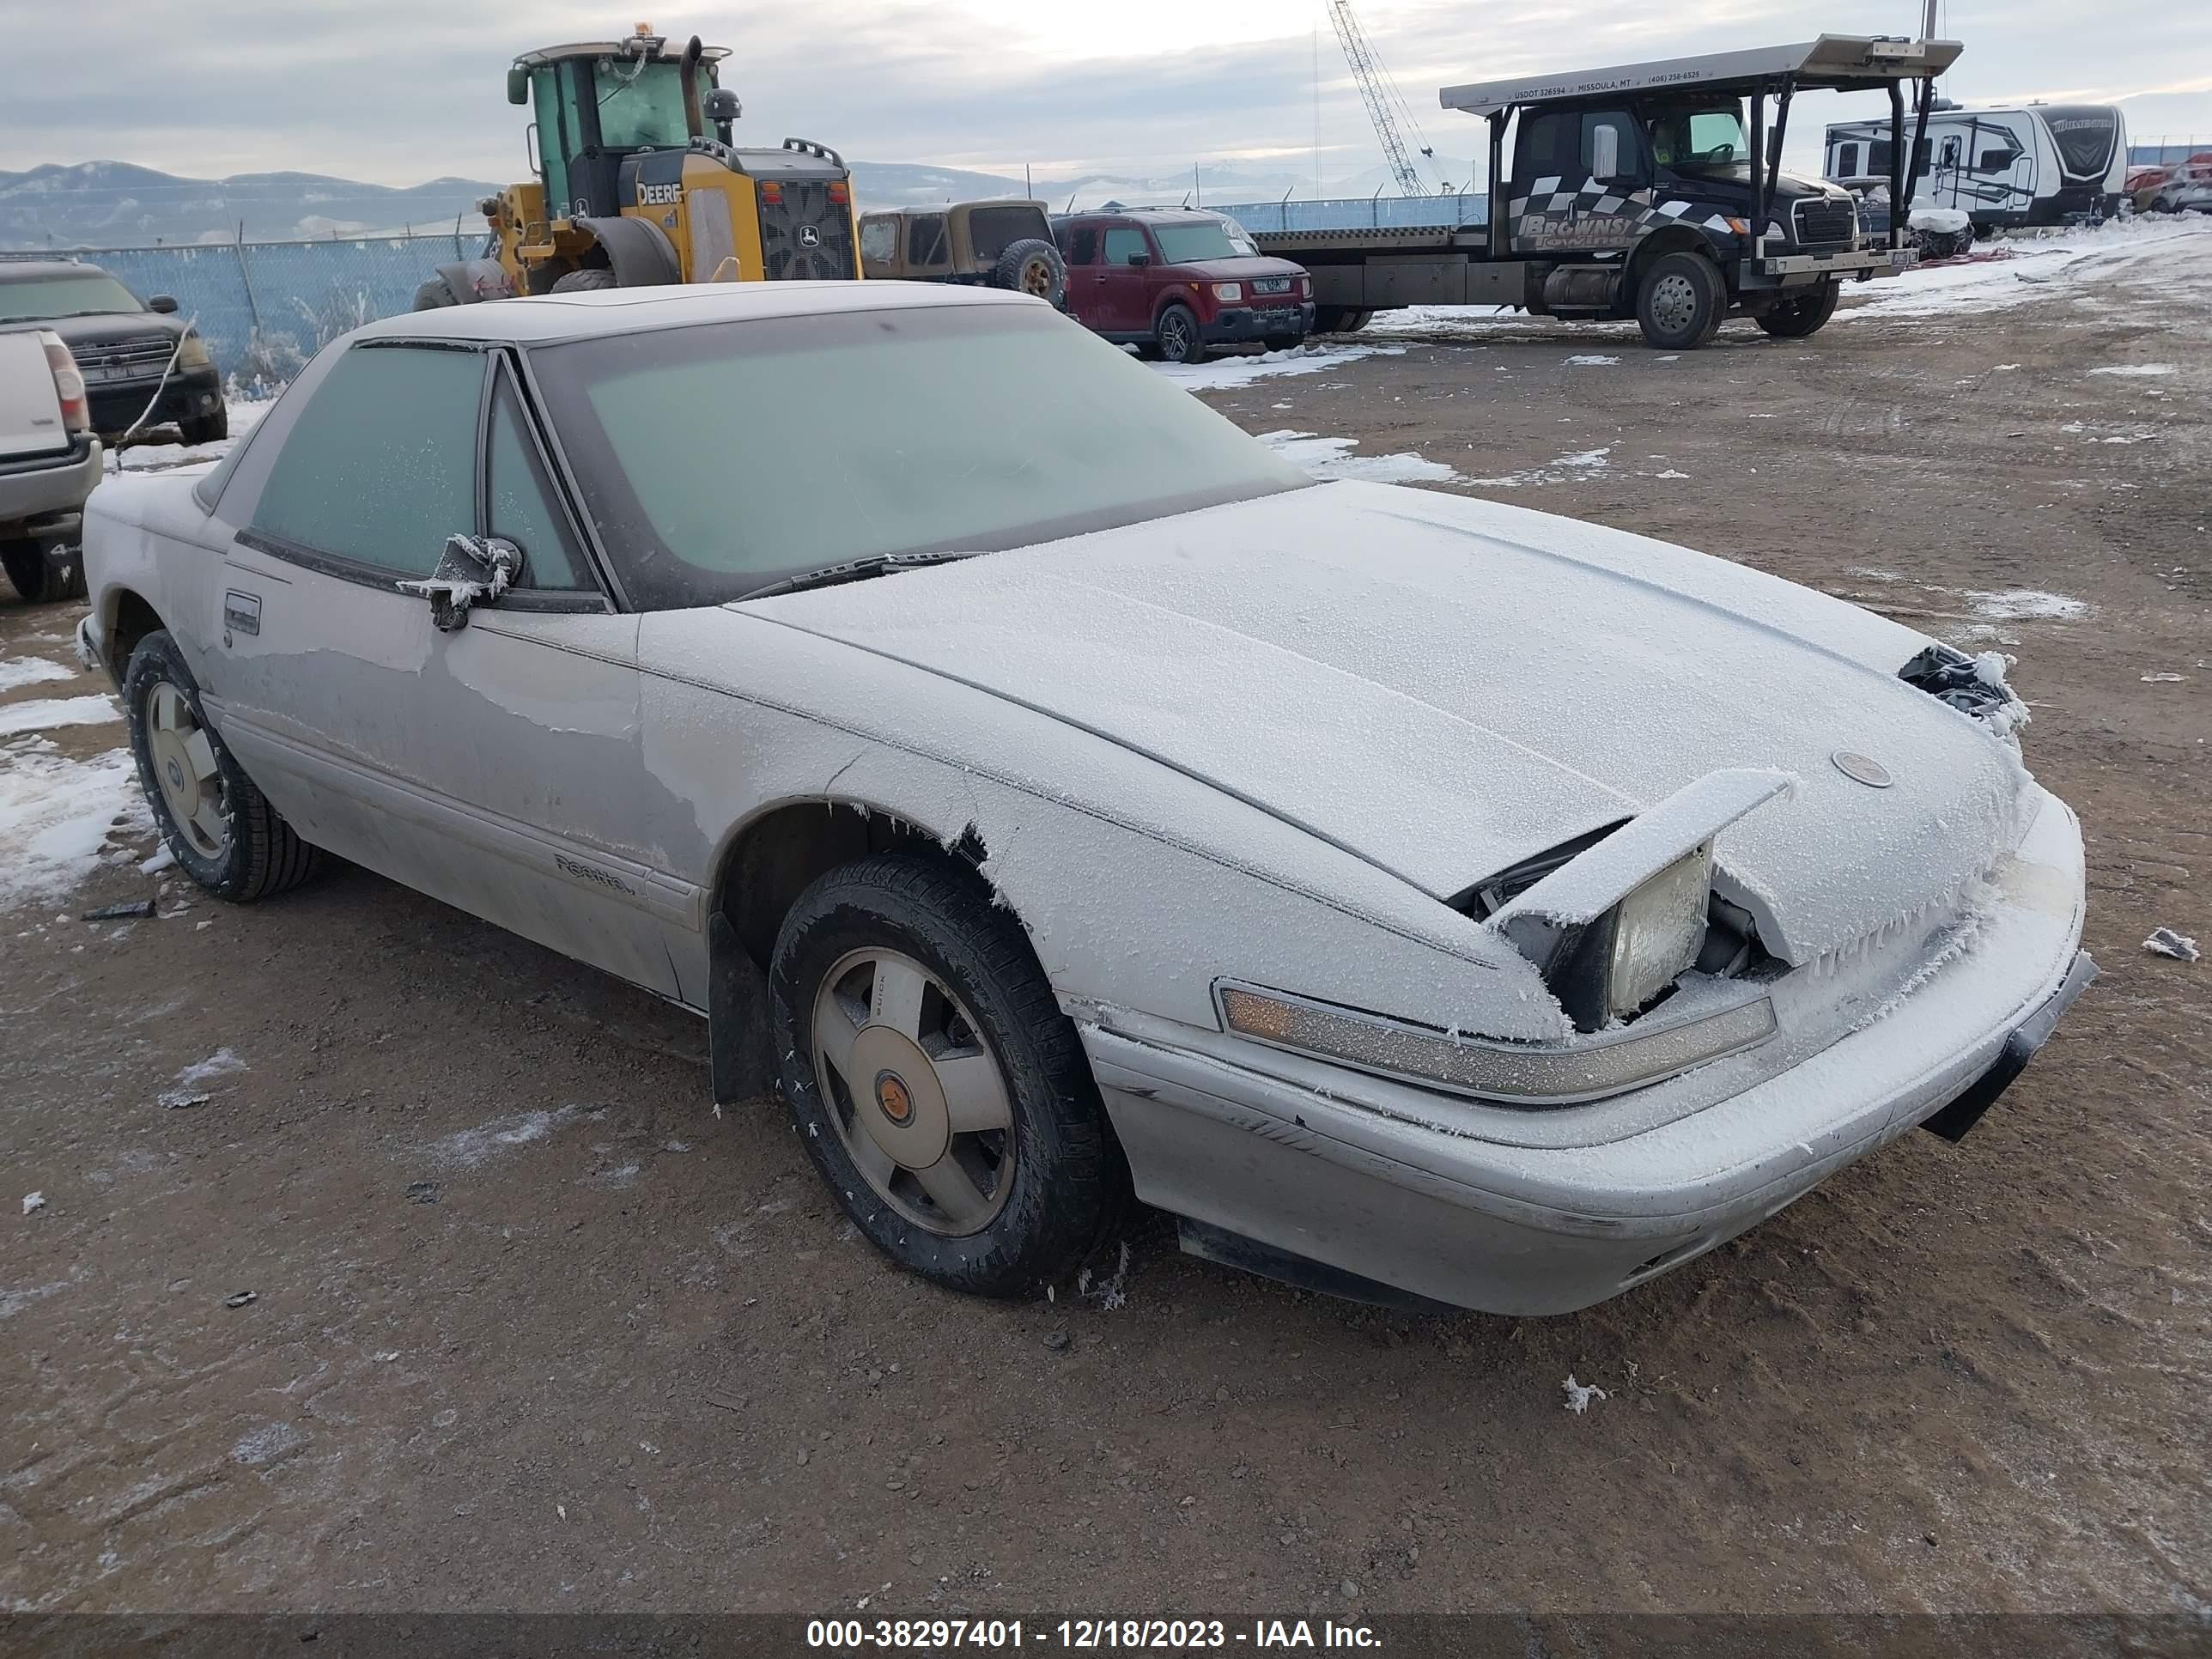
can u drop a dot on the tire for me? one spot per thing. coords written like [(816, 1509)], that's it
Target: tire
[(1033, 266), (230, 841), (1340, 319), (205, 428), (1680, 300), (434, 295), (588, 280), (43, 574), (1282, 342), (1794, 317), (1029, 1198), (1177, 331)]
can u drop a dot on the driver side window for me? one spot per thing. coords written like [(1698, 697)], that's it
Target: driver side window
[(380, 468)]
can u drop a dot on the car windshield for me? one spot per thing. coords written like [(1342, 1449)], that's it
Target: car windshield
[(720, 458), (90, 294), (1189, 243), (1702, 135)]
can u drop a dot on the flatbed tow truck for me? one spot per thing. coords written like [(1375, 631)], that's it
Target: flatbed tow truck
[(1639, 192)]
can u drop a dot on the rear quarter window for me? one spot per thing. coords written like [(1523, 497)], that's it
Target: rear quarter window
[(994, 230)]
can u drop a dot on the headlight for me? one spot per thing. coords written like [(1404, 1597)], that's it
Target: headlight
[(1229, 293), (194, 354), (1612, 964), (1305, 287)]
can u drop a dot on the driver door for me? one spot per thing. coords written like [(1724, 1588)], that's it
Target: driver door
[(497, 767)]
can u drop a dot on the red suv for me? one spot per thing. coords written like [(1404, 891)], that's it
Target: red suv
[(1178, 281)]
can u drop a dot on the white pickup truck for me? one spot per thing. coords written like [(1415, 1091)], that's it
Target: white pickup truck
[(49, 462)]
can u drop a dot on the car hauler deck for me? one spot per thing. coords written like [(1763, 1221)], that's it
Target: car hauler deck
[(1633, 192)]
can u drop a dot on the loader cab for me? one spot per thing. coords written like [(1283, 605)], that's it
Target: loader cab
[(596, 104)]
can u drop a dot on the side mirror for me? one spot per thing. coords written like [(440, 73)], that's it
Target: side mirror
[(1140, 259), (473, 570), (518, 84), (164, 303)]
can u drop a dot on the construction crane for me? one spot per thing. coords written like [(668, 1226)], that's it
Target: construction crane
[(1380, 94)]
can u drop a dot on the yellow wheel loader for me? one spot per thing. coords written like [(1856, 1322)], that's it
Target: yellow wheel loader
[(639, 183)]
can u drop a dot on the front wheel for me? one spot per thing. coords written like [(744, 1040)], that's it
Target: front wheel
[(1282, 343), (1797, 315), (435, 294), (205, 428), (589, 280), (223, 831), (941, 1092), (1177, 333), (1680, 301)]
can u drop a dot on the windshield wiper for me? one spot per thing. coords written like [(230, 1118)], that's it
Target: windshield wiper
[(830, 575)]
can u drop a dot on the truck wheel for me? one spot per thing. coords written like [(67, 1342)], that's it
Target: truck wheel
[(434, 295), (1340, 319), (1177, 333), (591, 277), (1032, 266), (205, 428), (1801, 314), (1680, 301), (936, 1083), (43, 574)]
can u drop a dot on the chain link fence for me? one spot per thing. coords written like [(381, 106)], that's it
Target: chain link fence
[(1361, 213), (264, 308)]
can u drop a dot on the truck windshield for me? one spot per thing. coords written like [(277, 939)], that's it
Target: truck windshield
[(1190, 244), (641, 105), (1704, 135), (720, 458), (94, 294)]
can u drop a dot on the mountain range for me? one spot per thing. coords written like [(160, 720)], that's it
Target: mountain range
[(98, 204)]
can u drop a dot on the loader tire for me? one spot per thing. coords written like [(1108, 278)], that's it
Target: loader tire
[(434, 295), (1033, 266), (584, 281)]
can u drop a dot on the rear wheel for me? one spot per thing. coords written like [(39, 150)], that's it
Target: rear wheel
[(1800, 314), (939, 1089), (591, 277), (1340, 319), (223, 832), (205, 428), (1177, 333), (434, 295), (1032, 266), (1680, 301), (43, 573), (1282, 342)]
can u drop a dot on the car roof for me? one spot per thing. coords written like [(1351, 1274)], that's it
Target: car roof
[(543, 319), (31, 270)]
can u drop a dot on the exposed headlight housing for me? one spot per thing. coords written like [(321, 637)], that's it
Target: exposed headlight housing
[(1229, 293), (193, 354), (1611, 966)]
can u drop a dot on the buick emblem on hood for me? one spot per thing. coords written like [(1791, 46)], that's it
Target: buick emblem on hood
[(1862, 768)]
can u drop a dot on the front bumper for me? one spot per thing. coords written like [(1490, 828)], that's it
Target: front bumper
[(1384, 1183), (189, 393), (44, 492), (1792, 269), (1238, 324)]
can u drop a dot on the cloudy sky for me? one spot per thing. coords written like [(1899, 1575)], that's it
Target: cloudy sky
[(400, 91)]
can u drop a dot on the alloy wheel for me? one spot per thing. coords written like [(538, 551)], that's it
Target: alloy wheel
[(184, 770), (917, 1096)]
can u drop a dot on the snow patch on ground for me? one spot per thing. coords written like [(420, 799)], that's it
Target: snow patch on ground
[(2027, 605), (2136, 369), (1591, 361), (1332, 457), (43, 713), (2021, 271), (1582, 464), (57, 816), (1229, 373), (19, 672), (465, 1148)]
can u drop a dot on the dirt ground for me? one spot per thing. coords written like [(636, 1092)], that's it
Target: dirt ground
[(530, 1328)]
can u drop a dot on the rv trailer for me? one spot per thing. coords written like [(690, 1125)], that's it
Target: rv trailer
[(2038, 164)]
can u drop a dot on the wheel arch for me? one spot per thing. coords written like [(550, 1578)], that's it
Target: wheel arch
[(127, 616), (765, 864), (1672, 238)]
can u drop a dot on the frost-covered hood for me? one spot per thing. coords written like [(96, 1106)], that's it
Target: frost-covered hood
[(1445, 687)]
